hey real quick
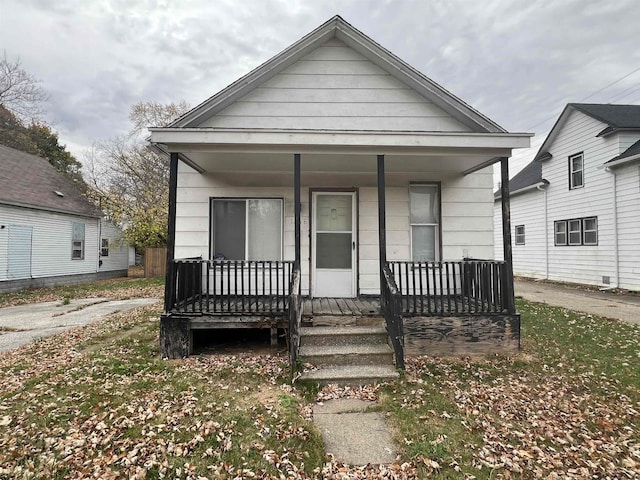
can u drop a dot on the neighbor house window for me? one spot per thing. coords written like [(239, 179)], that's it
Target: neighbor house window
[(560, 229), (576, 171), (576, 231), (247, 229), (590, 231), (424, 219), (519, 235), (104, 247), (77, 241)]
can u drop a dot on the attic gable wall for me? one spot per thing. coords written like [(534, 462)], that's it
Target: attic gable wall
[(335, 88)]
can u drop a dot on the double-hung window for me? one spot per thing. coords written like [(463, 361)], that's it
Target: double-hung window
[(576, 171), (246, 228), (77, 241), (424, 219), (519, 235), (104, 247), (576, 231)]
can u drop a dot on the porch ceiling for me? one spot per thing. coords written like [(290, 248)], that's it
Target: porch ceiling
[(240, 151)]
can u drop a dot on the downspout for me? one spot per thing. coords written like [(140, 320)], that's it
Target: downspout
[(546, 233), (615, 227)]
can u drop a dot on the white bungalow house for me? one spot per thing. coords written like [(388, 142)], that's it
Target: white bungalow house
[(575, 209), (336, 179), (49, 233)]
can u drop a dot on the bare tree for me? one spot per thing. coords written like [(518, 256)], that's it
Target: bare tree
[(20, 92), (129, 181)]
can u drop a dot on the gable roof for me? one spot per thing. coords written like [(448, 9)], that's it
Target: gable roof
[(529, 176), (30, 181), (337, 27), (615, 117)]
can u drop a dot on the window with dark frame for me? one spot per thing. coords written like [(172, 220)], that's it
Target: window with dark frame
[(77, 241), (576, 231), (247, 228), (519, 235), (104, 247), (560, 232), (576, 171)]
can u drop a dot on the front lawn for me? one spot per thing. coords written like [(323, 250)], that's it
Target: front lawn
[(98, 402)]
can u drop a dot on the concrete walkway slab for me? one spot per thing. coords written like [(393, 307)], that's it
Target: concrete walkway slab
[(353, 435), (625, 307), (25, 323)]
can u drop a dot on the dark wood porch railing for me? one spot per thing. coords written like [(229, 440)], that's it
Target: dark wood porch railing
[(473, 287), (295, 315), (229, 287), (390, 304)]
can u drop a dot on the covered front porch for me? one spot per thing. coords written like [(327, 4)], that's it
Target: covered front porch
[(210, 291)]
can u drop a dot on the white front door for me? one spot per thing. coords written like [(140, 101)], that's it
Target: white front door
[(334, 245)]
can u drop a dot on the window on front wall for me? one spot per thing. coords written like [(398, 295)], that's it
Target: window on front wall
[(519, 235), (247, 229), (104, 247), (77, 241), (576, 231), (424, 219), (576, 171)]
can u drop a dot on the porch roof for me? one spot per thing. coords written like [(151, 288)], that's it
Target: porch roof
[(215, 149)]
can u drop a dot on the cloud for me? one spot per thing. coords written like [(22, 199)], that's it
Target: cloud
[(517, 61)]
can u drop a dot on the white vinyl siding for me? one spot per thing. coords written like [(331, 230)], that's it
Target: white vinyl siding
[(467, 221), (526, 209), (51, 242), (334, 88), (118, 258), (628, 202)]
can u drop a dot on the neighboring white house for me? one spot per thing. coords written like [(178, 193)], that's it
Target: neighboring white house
[(575, 209), (340, 107), (49, 233)]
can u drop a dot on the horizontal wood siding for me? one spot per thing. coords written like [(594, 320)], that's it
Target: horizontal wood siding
[(466, 216), (51, 242), (527, 209), (628, 188), (334, 88), (118, 258), (581, 264)]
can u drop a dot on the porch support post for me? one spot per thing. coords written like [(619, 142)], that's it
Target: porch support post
[(297, 205), (169, 288), (382, 221), (510, 302)]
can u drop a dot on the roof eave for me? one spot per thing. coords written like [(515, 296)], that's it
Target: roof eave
[(48, 209), (617, 162), (536, 186)]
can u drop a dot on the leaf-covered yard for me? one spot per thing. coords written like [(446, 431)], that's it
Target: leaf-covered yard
[(98, 402)]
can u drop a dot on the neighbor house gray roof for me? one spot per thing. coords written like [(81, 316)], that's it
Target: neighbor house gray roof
[(30, 181), (527, 177), (632, 151), (615, 117)]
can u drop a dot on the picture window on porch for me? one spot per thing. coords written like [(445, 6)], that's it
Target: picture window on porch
[(247, 228), (424, 219)]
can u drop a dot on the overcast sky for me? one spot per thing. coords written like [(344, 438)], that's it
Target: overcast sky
[(518, 62)]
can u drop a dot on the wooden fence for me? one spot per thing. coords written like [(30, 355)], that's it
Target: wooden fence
[(155, 262)]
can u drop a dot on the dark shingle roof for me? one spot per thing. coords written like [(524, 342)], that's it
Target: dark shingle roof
[(629, 152), (528, 176), (28, 180), (616, 116)]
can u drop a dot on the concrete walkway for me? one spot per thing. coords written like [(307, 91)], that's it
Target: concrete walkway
[(25, 323), (353, 435), (623, 307)]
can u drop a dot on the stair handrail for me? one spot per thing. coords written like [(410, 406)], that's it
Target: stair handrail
[(390, 304)]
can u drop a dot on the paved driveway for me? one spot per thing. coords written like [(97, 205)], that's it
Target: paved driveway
[(605, 304), (25, 323)]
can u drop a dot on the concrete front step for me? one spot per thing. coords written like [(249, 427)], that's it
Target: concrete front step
[(351, 375), (342, 335), (349, 354)]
